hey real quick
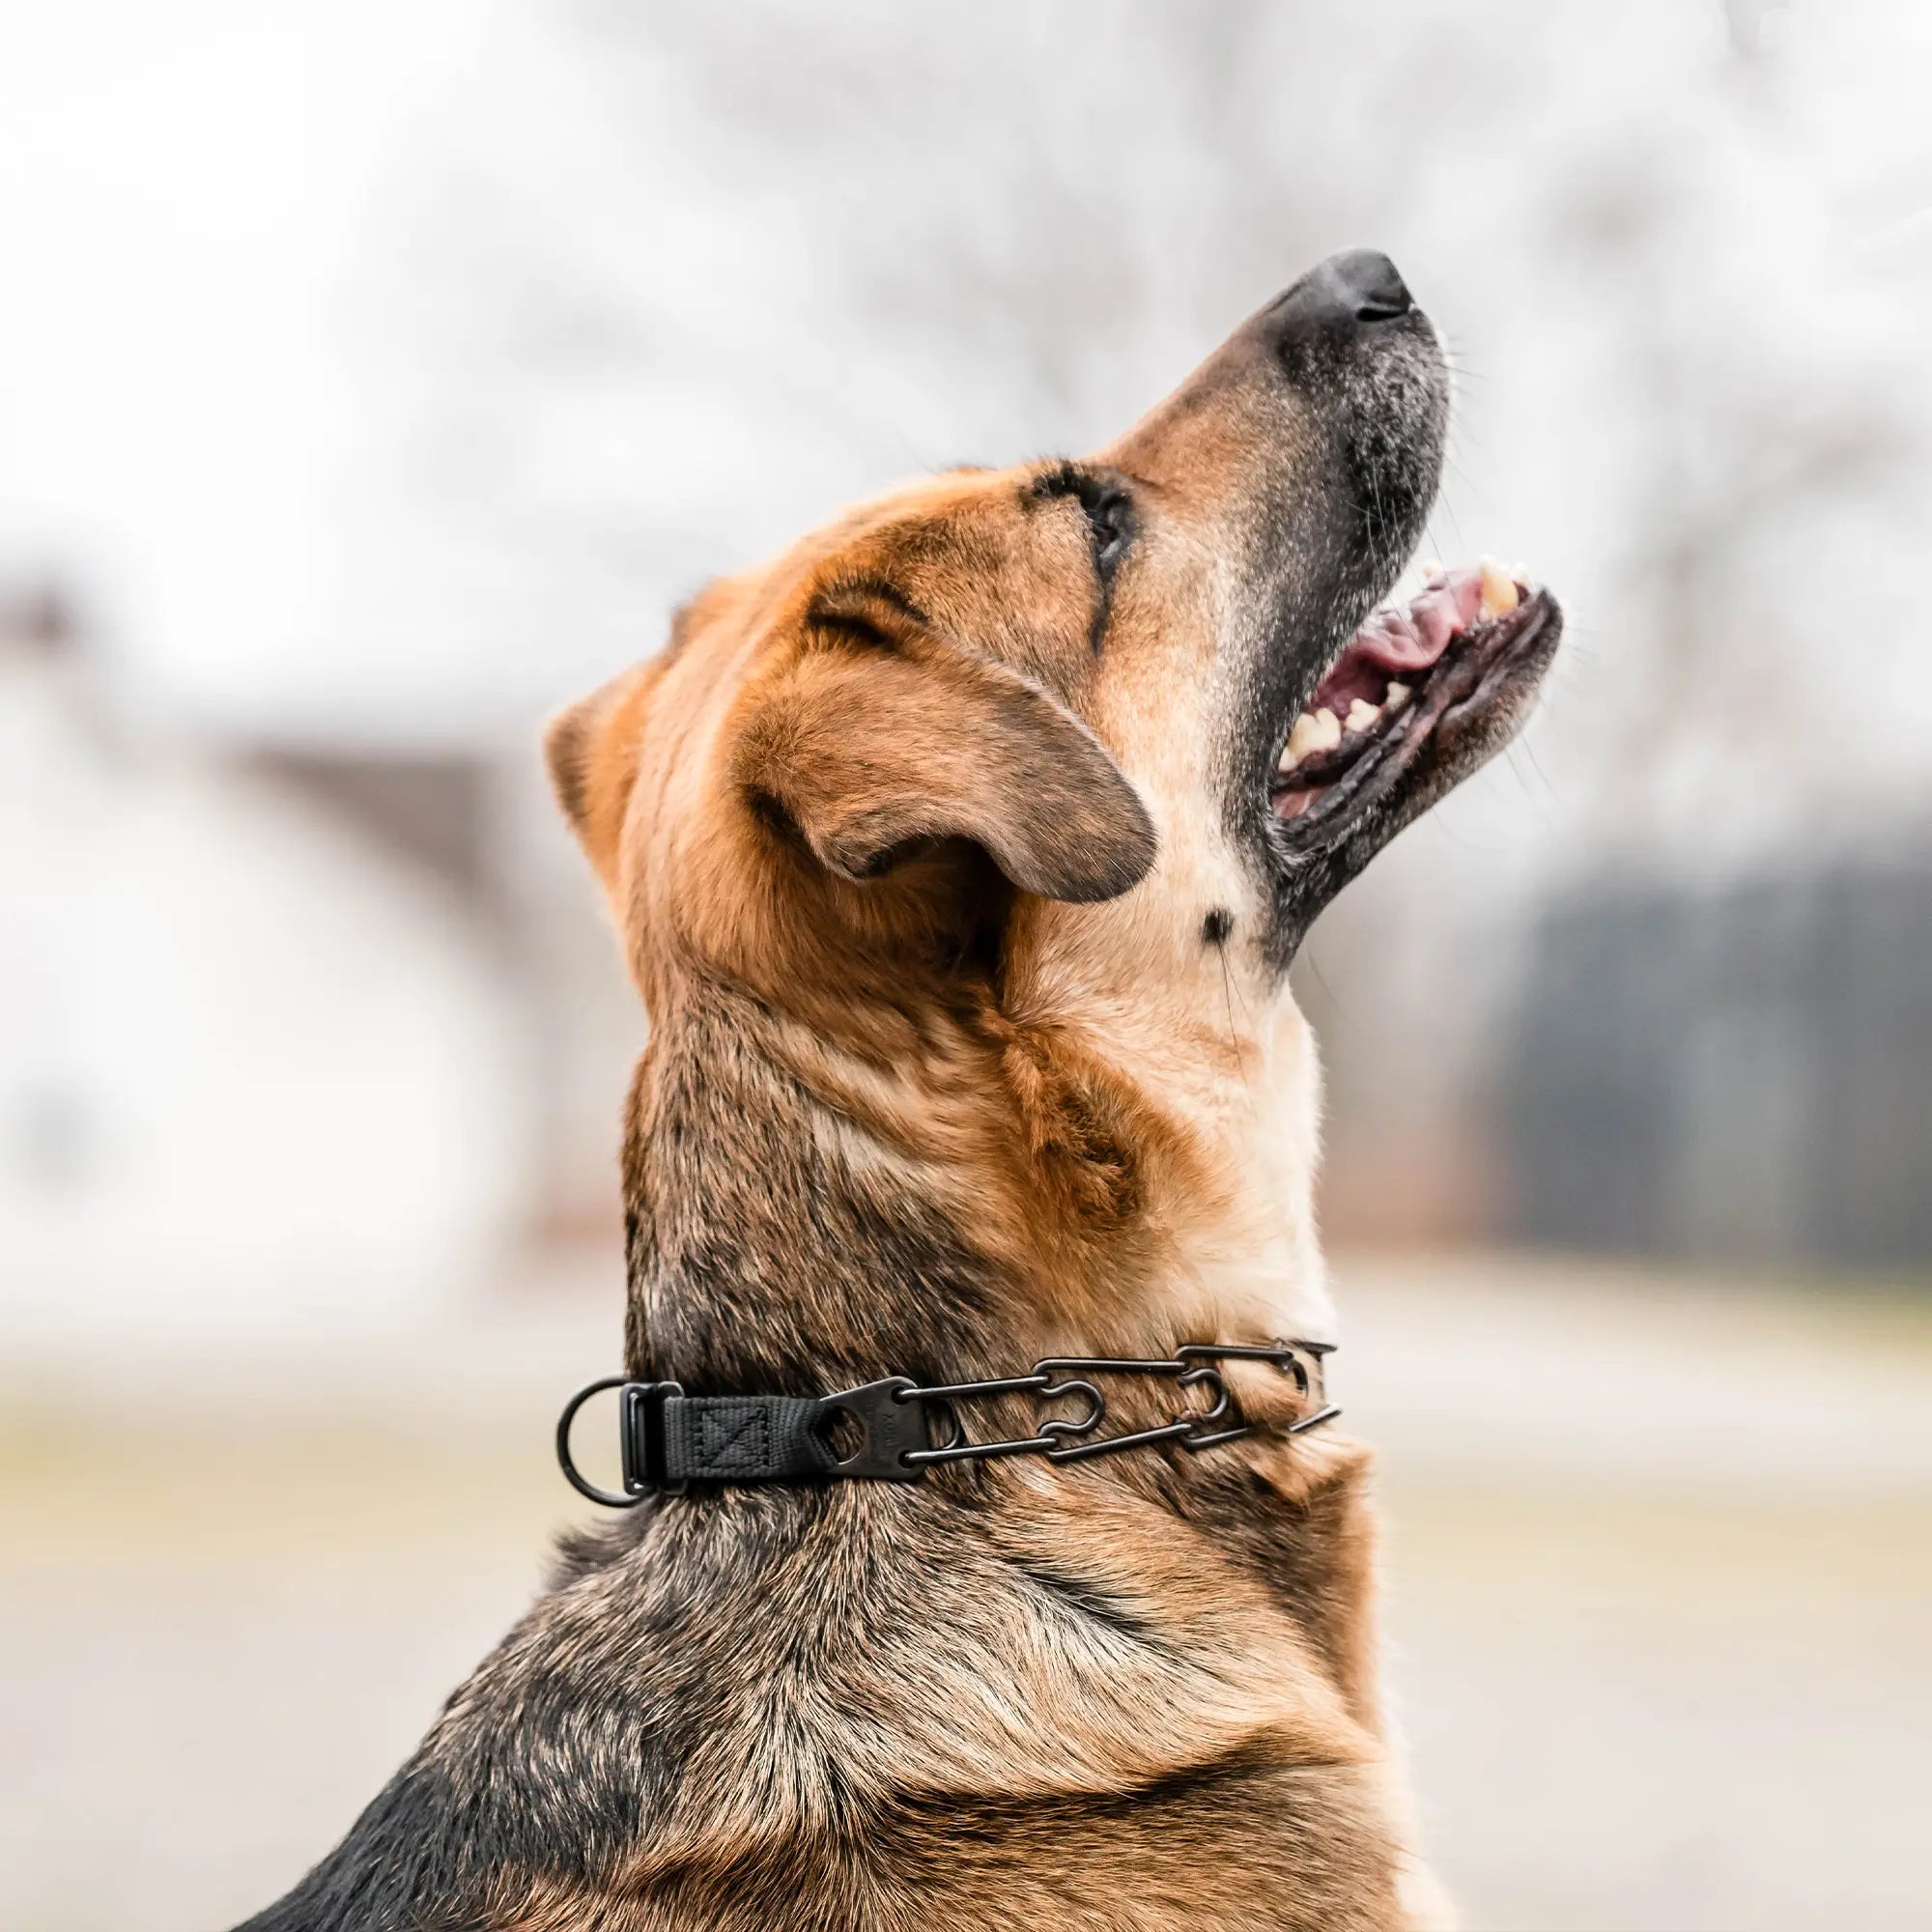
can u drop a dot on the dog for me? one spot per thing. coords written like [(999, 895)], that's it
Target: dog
[(959, 856)]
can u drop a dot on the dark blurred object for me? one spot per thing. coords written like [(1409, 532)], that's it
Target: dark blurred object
[(1736, 1073), (431, 809), (40, 620)]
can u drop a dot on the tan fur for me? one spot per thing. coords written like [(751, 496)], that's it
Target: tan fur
[(1125, 1121), (941, 852), (1110, 1013)]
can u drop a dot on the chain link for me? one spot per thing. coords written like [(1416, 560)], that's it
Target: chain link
[(1072, 1438)]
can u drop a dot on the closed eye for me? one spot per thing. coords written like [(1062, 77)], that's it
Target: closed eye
[(1111, 519), (1109, 509)]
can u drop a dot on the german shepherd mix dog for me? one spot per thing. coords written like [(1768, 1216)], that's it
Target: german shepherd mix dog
[(959, 856)]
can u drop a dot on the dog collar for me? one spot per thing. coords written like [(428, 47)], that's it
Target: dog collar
[(669, 1439)]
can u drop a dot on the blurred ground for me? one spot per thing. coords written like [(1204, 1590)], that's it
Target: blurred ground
[(1659, 1592)]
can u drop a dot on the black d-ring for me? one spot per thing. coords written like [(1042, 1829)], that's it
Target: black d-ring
[(576, 1480)]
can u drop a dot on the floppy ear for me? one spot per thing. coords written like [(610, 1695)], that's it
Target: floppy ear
[(590, 749), (875, 752)]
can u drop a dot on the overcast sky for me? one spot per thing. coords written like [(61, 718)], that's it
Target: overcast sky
[(382, 373)]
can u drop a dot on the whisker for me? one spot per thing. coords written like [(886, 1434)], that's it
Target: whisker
[(1343, 1018), (1535, 765)]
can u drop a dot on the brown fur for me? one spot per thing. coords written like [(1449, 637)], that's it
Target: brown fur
[(970, 1045)]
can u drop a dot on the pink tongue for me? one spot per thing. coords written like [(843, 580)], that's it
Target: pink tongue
[(1394, 642)]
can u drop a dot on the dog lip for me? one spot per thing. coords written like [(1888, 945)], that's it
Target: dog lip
[(1463, 685)]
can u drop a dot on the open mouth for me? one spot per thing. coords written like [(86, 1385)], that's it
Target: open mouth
[(1436, 681)]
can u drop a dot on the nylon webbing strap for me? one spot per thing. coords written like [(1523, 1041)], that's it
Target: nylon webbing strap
[(742, 1438)]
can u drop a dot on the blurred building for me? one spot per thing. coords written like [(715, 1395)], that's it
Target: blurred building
[(260, 1067), (1735, 1074)]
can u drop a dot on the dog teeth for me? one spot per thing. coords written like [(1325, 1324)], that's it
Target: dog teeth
[(1500, 593), (1396, 697), (1314, 732), (1362, 715), (1432, 569)]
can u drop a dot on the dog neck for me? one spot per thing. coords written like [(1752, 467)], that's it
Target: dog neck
[(937, 1189)]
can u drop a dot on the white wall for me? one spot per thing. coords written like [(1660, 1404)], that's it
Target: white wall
[(251, 1074)]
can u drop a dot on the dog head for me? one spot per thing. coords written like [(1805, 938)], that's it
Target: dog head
[(1082, 747)]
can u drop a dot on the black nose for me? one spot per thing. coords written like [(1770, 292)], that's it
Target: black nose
[(1336, 298)]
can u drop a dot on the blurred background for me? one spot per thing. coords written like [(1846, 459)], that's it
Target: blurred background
[(374, 378)]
